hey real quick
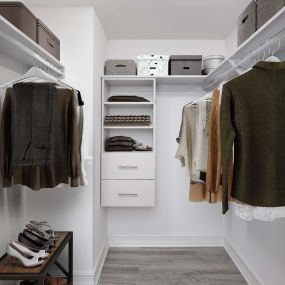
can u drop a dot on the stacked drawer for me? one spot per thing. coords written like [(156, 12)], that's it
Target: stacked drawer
[(128, 180)]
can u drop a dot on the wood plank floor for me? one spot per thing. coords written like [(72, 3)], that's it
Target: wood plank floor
[(169, 266)]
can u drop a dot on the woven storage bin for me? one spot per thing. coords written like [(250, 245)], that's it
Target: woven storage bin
[(48, 40), (21, 17), (153, 65), (120, 67), (266, 9), (185, 65), (247, 23)]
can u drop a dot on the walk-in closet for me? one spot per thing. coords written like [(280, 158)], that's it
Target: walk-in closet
[(141, 142)]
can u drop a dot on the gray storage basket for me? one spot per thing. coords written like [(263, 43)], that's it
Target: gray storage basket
[(120, 67), (266, 9), (247, 23), (185, 65)]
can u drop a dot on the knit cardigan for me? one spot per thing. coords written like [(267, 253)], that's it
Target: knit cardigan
[(253, 121)]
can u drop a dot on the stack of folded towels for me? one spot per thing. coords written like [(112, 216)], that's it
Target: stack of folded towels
[(122, 143), (132, 120), (124, 98)]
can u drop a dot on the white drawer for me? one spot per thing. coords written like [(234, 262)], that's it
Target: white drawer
[(128, 166), (128, 193)]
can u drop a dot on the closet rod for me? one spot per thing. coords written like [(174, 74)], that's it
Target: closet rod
[(220, 78)]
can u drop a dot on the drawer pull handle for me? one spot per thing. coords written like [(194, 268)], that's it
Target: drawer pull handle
[(128, 194), (128, 166)]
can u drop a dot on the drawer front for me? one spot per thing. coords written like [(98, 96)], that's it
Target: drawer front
[(127, 193), (128, 166), (46, 41)]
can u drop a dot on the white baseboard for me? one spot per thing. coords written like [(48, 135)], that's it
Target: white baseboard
[(166, 240), (100, 263), (83, 277), (249, 275)]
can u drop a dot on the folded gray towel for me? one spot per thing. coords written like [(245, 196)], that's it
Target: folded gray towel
[(33, 124)]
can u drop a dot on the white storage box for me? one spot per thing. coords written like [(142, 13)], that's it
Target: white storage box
[(152, 65)]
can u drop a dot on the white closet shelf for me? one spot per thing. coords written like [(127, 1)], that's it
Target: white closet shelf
[(265, 35), (163, 80), (129, 127), (271, 33), (24, 50), (124, 104)]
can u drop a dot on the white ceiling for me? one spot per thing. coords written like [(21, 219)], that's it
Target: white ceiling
[(162, 19)]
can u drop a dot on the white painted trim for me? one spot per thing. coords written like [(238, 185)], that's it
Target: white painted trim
[(83, 277), (174, 240), (100, 263), (248, 273)]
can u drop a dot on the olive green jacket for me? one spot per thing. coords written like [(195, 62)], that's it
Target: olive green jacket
[(253, 121)]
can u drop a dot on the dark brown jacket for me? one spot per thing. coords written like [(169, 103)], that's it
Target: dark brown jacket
[(253, 120), (66, 167)]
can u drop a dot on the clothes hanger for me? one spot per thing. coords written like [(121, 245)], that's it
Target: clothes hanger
[(36, 74), (273, 58)]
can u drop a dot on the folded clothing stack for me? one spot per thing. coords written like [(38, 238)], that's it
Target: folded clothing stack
[(119, 143), (124, 98), (131, 120)]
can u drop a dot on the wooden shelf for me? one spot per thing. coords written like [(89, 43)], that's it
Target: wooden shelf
[(13, 270), (24, 50)]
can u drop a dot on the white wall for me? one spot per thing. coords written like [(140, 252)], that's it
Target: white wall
[(174, 218), (132, 48), (99, 214), (260, 245)]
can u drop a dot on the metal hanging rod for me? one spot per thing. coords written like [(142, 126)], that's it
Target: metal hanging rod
[(227, 74)]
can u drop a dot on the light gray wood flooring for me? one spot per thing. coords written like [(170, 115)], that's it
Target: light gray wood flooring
[(169, 266)]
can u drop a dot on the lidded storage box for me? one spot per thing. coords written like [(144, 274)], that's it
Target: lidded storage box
[(247, 23), (266, 9), (185, 65), (21, 17), (153, 65), (120, 67), (47, 40)]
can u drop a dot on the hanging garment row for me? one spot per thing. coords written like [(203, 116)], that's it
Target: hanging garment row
[(41, 133), (243, 131)]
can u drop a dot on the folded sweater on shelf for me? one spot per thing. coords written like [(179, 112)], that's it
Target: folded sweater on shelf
[(120, 138), (125, 98), (131, 120), (118, 148)]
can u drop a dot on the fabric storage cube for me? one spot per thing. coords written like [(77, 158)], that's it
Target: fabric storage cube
[(153, 65), (21, 17), (266, 9), (120, 67), (185, 65), (247, 23), (47, 40)]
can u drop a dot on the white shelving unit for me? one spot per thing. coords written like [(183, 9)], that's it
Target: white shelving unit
[(20, 47), (128, 178), (270, 34), (125, 175)]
